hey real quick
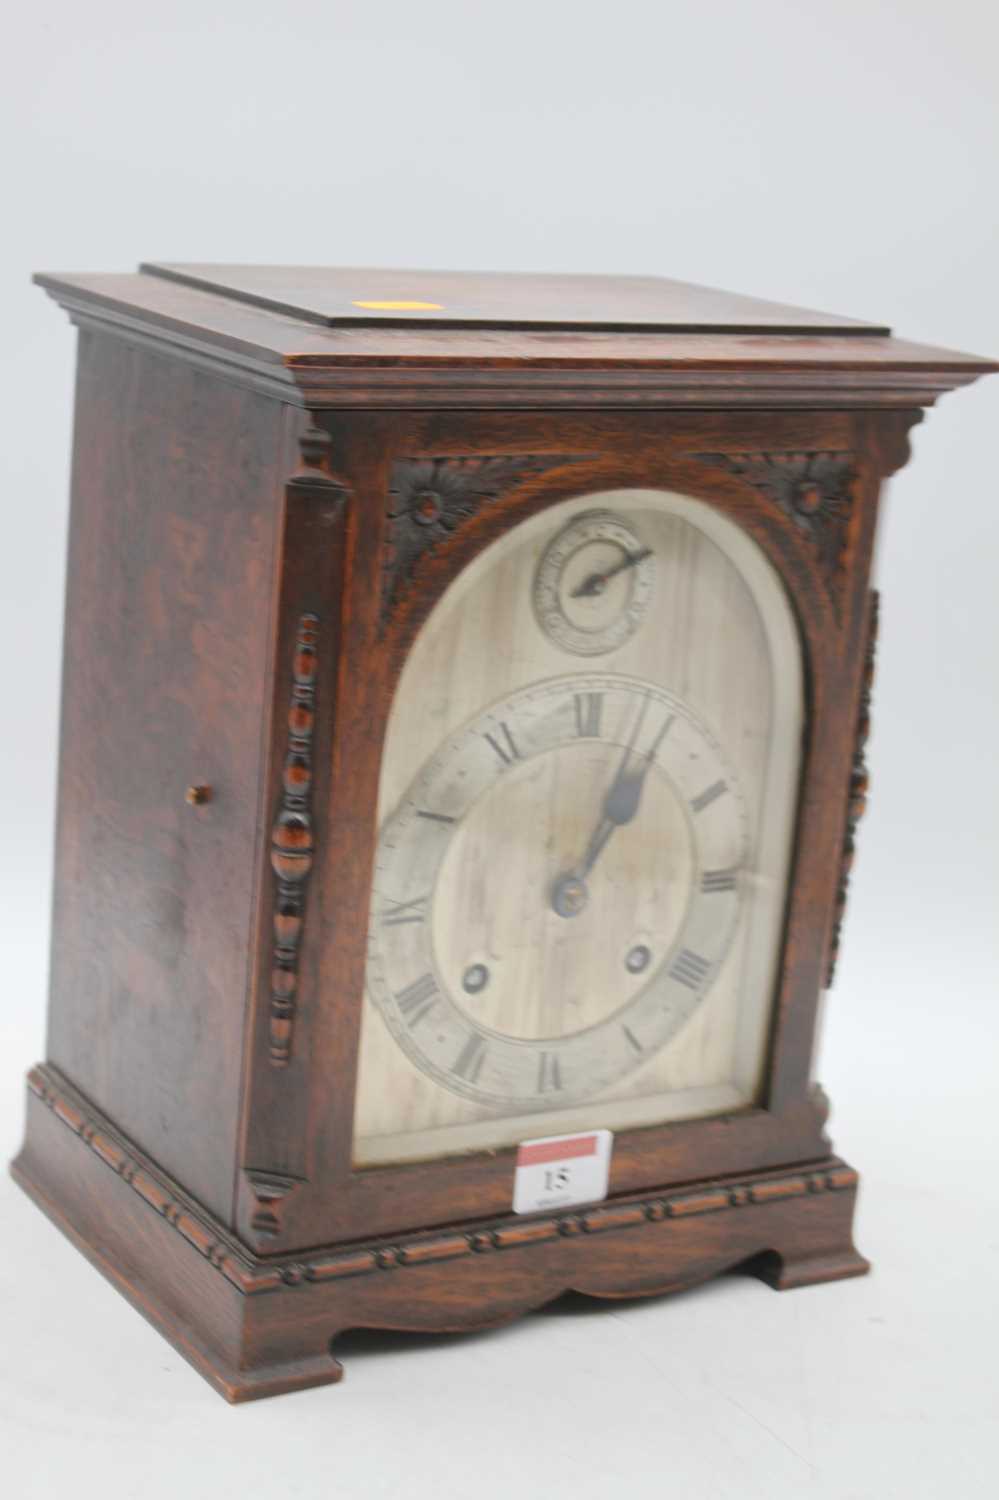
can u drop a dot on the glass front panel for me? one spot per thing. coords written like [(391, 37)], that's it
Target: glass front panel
[(586, 808)]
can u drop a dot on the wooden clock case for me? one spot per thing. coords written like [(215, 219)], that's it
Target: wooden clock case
[(271, 488)]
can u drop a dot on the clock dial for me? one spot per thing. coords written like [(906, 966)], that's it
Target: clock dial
[(580, 878), (557, 890), (593, 583)]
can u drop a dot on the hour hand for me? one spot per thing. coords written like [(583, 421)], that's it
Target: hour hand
[(620, 806), (598, 839), (569, 893)]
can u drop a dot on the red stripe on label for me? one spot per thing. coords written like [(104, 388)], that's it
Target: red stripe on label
[(579, 1145)]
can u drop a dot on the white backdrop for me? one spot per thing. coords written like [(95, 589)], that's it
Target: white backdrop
[(840, 156)]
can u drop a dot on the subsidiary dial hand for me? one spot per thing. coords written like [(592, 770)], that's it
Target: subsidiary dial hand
[(597, 582)]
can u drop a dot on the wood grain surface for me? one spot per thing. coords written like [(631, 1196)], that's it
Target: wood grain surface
[(337, 296)]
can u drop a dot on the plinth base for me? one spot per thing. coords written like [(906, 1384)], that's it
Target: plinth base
[(256, 1327)]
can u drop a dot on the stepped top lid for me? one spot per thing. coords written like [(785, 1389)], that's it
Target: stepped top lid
[(343, 296)]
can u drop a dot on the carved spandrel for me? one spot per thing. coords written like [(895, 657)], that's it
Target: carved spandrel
[(814, 490), (429, 498)]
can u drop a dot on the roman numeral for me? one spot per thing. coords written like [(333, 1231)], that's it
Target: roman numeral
[(405, 911), (436, 817), (589, 709), (417, 998), (470, 1058), (549, 1073), (710, 794), (505, 746), (632, 1038), (690, 968), (713, 881)]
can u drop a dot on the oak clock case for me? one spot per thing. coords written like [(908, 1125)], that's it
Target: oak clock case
[(484, 668), (584, 836)]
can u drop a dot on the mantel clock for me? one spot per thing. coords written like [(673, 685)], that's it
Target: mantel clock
[(466, 685)]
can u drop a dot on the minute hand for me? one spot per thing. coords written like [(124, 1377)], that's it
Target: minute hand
[(624, 795)]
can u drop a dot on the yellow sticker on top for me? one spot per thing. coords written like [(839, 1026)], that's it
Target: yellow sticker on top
[(400, 306)]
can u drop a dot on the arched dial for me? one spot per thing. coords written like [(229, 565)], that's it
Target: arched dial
[(556, 891), (593, 583)]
